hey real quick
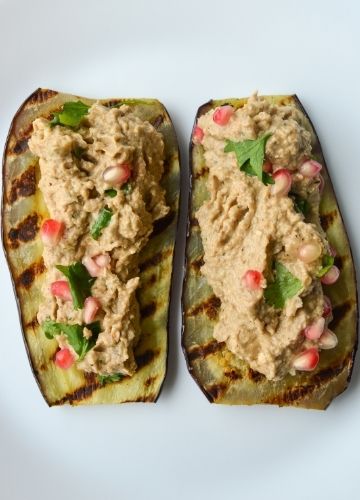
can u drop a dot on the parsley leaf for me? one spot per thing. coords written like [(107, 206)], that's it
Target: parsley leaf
[(80, 282), (102, 221), (327, 263), (250, 155), (110, 192), (71, 115), (285, 286), (266, 178), (74, 334), (301, 205), (104, 379)]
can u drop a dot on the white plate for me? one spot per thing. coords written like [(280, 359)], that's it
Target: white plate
[(182, 53)]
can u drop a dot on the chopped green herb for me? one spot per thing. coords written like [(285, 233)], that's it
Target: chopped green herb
[(285, 286), (105, 379), (71, 114), (110, 192), (301, 205), (74, 334), (127, 188), (102, 221), (78, 152), (250, 156), (326, 265), (80, 282)]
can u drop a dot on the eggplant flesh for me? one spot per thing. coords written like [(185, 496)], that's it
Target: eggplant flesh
[(223, 377), (23, 210)]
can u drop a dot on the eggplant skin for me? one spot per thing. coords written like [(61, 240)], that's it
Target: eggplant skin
[(220, 375), (23, 211)]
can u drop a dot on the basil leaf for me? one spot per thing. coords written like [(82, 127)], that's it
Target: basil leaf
[(104, 379), (285, 286), (74, 334), (80, 282), (102, 221), (327, 263), (251, 152), (71, 115), (301, 205), (110, 192)]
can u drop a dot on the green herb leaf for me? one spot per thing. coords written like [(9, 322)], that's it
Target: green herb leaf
[(327, 263), (78, 152), (251, 152), (80, 282), (110, 192), (285, 286), (104, 379), (301, 205), (102, 221), (266, 178), (74, 334), (71, 115), (127, 188)]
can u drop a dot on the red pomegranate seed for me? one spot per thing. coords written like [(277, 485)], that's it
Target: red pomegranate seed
[(328, 340), (267, 167), (315, 330), (327, 310), (331, 276), (283, 179), (91, 307), (102, 260), (117, 174), (51, 231), (61, 290), (223, 114), (93, 268), (198, 135), (310, 168), (307, 360), (64, 358), (252, 279)]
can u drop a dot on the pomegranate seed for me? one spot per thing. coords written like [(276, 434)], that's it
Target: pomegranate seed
[(331, 276), (93, 268), (332, 251), (117, 174), (102, 260), (252, 279), (223, 114), (314, 331), (307, 360), (327, 310), (267, 167), (309, 252), (61, 290), (283, 179), (321, 184), (64, 358), (91, 307), (310, 168), (328, 340), (51, 231), (198, 135)]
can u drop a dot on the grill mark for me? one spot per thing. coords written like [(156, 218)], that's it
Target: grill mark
[(149, 381), (167, 165), (210, 307), (216, 390), (194, 222), (42, 95), (202, 351), (84, 392), (157, 121), (204, 170), (339, 312), (328, 219), (23, 186), (162, 224), (27, 277), (339, 262), (197, 264), (21, 146), (155, 259), (25, 231), (233, 375), (255, 376), (148, 310), (145, 358), (32, 324)]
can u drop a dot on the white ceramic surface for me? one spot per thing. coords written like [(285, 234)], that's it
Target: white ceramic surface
[(183, 53)]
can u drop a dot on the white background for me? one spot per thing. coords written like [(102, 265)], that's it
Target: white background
[(183, 53)]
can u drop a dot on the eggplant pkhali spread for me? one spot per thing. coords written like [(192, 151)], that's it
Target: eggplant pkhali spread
[(100, 179), (266, 256)]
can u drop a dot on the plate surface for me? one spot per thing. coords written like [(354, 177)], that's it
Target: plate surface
[(183, 54)]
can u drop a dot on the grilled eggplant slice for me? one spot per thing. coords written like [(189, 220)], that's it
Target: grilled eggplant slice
[(222, 377), (23, 210)]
